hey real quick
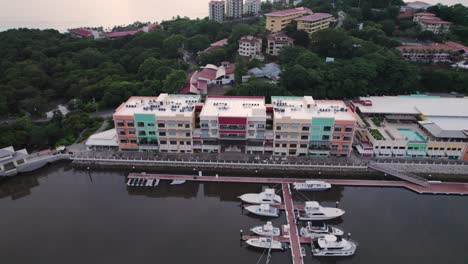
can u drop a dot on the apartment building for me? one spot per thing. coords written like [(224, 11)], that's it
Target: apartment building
[(278, 41), (250, 46), (252, 7), (304, 126), (163, 123), (315, 22), (232, 123), (217, 10), (435, 52), (234, 8), (278, 20), (414, 126)]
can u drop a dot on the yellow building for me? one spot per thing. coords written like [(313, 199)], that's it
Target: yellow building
[(277, 21), (315, 22)]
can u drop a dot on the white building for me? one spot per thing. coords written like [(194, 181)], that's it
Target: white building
[(234, 8), (276, 42), (252, 7), (217, 10), (250, 46)]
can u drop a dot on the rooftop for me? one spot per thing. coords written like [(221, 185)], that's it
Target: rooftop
[(424, 14), (434, 21), (250, 39), (306, 108), (105, 138), (293, 11), (280, 36), (314, 17), (234, 106), (163, 105), (448, 46)]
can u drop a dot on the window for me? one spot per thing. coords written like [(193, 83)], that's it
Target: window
[(214, 123), (261, 126), (150, 124), (187, 125), (131, 132), (152, 133), (327, 128), (204, 125), (180, 125), (284, 145), (173, 142), (130, 124), (181, 142), (347, 138), (124, 141), (336, 136), (278, 136), (277, 145), (171, 124), (293, 135), (214, 132), (161, 125), (304, 137), (292, 145), (172, 133), (142, 133), (187, 134), (278, 127), (163, 142), (140, 124), (337, 129), (349, 129), (251, 133), (122, 132), (305, 128), (120, 123), (162, 134), (133, 141), (325, 137)]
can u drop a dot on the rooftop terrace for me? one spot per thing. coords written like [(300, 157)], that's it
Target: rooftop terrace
[(163, 105), (239, 106)]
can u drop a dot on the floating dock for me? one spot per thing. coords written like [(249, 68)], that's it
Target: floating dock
[(452, 188)]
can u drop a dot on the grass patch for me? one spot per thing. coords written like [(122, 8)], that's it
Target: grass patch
[(377, 121), (376, 134)]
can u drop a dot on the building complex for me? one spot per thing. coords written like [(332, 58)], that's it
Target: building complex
[(431, 22), (315, 22), (435, 52), (416, 126), (234, 8), (250, 46), (278, 20), (289, 126), (252, 7), (278, 41)]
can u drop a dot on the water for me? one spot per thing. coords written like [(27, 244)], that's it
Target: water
[(65, 14), (60, 215)]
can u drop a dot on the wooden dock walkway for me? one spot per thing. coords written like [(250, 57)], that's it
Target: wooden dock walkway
[(453, 188), (291, 218)]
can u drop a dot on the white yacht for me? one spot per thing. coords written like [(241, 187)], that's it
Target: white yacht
[(264, 242), (313, 211), (331, 245), (177, 182), (267, 230), (318, 231), (311, 186), (266, 197), (263, 210)]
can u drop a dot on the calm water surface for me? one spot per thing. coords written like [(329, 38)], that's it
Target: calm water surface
[(61, 215), (65, 14)]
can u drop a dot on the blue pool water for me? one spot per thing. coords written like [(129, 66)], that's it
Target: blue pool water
[(411, 134)]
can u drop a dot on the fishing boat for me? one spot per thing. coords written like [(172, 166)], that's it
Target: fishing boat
[(265, 242), (318, 231), (177, 182), (263, 210), (313, 211), (311, 186), (267, 230), (266, 197), (331, 245)]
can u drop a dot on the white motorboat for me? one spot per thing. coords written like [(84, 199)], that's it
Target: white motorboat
[(331, 245), (263, 210), (267, 230), (266, 197), (264, 242), (313, 211), (318, 231), (311, 186), (177, 182)]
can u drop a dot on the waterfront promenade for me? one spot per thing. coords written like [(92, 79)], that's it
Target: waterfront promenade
[(431, 188)]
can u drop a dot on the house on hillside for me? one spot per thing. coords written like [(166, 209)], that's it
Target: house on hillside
[(211, 75)]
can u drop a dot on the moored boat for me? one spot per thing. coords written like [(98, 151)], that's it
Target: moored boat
[(266, 197), (331, 245), (313, 211), (267, 230), (317, 231), (263, 210), (311, 186), (264, 242)]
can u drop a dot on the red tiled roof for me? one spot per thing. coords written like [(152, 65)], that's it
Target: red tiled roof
[(406, 14), (430, 18), (314, 17), (299, 10), (448, 46), (434, 21), (250, 39), (230, 69), (424, 14), (275, 36), (82, 32), (118, 34), (220, 43), (207, 73)]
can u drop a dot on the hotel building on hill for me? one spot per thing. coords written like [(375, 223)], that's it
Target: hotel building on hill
[(278, 20), (289, 126)]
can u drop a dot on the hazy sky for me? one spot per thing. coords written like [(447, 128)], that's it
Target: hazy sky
[(63, 14)]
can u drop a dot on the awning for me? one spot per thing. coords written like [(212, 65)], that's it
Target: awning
[(453, 153), (364, 151), (416, 153), (399, 152), (437, 153)]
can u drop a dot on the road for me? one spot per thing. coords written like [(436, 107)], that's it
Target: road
[(103, 114)]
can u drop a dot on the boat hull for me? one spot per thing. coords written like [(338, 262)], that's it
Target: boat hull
[(259, 231), (255, 242), (253, 198), (253, 209)]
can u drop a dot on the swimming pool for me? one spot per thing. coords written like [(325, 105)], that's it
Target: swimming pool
[(411, 134)]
